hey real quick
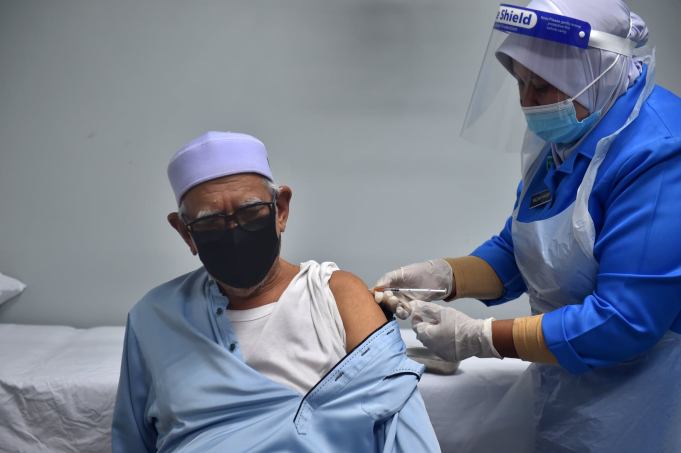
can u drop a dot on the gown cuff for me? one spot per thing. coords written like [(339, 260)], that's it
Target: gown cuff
[(474, 278), (528, 339)]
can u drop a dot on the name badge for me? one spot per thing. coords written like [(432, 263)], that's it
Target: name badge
[(540, 199)]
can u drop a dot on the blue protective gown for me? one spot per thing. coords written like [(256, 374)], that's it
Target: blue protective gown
[(635, 205), (184, 387), (602, 261)]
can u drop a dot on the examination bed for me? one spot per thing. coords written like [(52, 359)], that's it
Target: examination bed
[(57, 389)]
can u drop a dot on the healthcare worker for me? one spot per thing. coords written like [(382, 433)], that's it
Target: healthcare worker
[(594, 238)]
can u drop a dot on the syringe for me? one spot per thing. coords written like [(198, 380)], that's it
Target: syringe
[(411, 290)]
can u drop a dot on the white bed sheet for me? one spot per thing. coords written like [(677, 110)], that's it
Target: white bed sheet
[(57, 387), (463, 405)]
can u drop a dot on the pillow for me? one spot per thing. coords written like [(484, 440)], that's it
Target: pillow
[(9, 288)]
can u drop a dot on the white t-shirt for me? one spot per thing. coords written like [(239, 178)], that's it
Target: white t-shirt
[(248, 325), (297, 339)]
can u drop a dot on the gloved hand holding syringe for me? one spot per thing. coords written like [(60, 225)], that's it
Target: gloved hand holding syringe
[(426, 281), (402, 307), (447, 332)]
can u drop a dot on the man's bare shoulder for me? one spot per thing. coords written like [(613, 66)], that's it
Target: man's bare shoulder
[(361, 315)]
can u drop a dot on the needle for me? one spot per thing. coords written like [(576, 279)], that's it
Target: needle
[(411, 290)]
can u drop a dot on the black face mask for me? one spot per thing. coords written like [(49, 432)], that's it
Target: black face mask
[(237, 257)]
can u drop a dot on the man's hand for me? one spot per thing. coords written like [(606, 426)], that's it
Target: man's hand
[(451, 334)]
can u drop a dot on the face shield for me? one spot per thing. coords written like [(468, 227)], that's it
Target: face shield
[(536, 64)]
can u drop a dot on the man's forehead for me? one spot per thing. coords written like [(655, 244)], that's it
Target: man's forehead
[(234, 189)]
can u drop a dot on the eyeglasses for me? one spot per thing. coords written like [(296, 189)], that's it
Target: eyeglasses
[(253, 217)]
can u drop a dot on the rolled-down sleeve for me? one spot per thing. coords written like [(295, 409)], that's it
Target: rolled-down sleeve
[(396, 402), (130, 431), (637, 297)]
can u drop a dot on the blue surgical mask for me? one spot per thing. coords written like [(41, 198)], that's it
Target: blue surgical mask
[(557, 123)]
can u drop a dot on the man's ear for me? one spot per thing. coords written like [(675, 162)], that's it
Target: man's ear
[(179, 226), (283, 201)]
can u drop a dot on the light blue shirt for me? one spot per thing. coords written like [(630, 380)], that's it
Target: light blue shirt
[(635, 205), (185, 387)]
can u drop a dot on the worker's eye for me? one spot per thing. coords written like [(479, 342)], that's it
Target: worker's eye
[(521, 88), (540, 86)]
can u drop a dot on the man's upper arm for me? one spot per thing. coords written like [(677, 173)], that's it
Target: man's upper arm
[(361, 315)]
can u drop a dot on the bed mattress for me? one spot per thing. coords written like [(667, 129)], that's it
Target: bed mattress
[(57, 387)]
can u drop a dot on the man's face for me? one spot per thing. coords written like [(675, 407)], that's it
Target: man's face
[(225, 196)]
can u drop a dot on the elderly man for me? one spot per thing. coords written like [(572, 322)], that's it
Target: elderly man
[(251, 352)]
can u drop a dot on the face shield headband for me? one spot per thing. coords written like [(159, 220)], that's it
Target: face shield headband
[(560, 29), (545, 43)]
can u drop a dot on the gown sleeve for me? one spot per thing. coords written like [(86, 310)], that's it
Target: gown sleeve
[(498, 253)]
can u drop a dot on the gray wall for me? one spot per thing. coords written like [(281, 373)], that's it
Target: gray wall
[(358, 101)]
